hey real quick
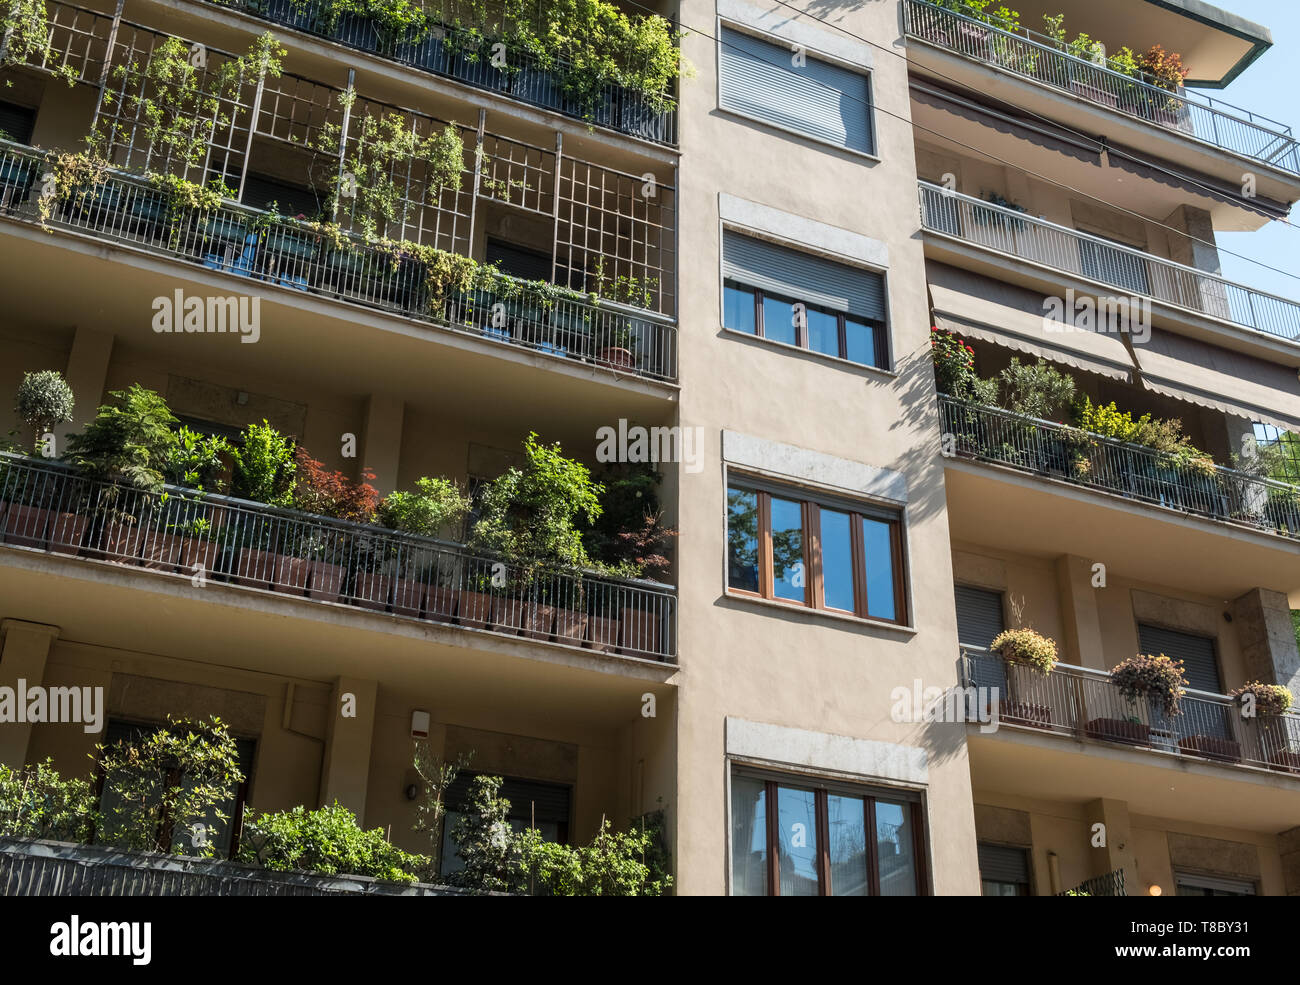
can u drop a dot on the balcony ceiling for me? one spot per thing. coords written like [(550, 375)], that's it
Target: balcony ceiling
[(1216, 45)]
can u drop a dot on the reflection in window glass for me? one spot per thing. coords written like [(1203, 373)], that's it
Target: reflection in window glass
[(894, 849), (837, 559), (789, 579), (778, 321), (879, 556), (742, 539), (738, 308), (823, 333), (748, 837), (846, 819), (861, 341), (797, 841)]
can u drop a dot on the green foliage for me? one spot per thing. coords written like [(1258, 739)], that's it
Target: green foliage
[(196, 460), (130, 440), (485, 841), (1164, 435), (1038, 390), (1024, 646), (614, 864), (436, 506), (26, 28), (166, 781), (36, 802), (328, 841), (264, 466), (1157, 677), (436, 777), (328, 492), (43, 400), (531, 516)]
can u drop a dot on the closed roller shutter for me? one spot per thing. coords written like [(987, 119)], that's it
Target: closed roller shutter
[(979, 616), (17, 122), (1196, 652), (999, 863), (758, 78), (550, 800), (803, 277)]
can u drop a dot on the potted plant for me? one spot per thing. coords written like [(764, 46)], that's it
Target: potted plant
[(433, 508), (1158, 680), (164, 542), (1266, 704)]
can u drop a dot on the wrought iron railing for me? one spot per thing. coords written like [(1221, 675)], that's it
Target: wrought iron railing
[(272, 249), (455, 54), (1111, 884), (1035, 56), (990, 434), (1131, 272), (1084, 703), (49, 507)]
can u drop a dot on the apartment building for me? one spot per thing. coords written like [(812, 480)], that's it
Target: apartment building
[(831, 183)]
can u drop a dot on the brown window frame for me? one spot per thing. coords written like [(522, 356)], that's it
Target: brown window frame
[(880, 328), (815, 587), (822, 792)]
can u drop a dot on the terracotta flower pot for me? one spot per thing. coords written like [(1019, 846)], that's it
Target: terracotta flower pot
[(1212, 747), (1286, 760), (1023, 713), (67, 531), (640, 633), (371, 589), (255, 567), (163, 551), (617, 358), (440, 603), (1118, 730), (201, 556), (408, 596), (25, 526), (509, 614), (539, 621), (121, 542), (475, 609), (291, 575), (602, 634), (325, 580), (570, 626)]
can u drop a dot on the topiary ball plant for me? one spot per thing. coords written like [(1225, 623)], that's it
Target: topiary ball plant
[(1157, 677), (1025, 646), (1263, 700), (43, 400)]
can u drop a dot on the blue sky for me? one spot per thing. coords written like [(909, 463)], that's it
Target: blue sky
[(1268, 87)]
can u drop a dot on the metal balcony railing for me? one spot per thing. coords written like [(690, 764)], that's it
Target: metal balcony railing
[(272, 249), (1084, 703), (1035, 56), (990, 434), (455, 54), (1111, 884), (1130, 272), (49, 507)]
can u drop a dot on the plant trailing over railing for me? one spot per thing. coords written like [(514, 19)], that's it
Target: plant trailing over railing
[(1158, 678), (25, 38), (1263, 700), (328, 840), (1025, 646)]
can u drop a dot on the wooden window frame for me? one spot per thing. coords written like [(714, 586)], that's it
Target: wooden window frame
[(821, 793), (815, 587), (879, 327)]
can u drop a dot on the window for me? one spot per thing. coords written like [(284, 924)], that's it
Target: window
[(800, 837), (16, 123), (1187, 884), (545, 805), (979, 621), (822, 555), (1286, 446), (1200, 666), (1004, 871), (798, 299), (758, 79), (519, 261), (220, 835)]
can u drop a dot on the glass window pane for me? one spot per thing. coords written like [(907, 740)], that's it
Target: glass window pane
[(797, 841), (778, 321), (861, 341), (894, 848), (837, 559), (789, 579), (738, 308), (823, 332), (748, 837), (742, 539), (879, 557), (848, 846)]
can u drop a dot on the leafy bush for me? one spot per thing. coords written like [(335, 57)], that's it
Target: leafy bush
[(531, 516), (1164, 68), (330, 493), (196, 460), (264, 466), (485, 841), (130, 440), (1267, 699), (436, 505), (1159, 678), (327, 841), (43, 400), (165, 781), (1038, 390), (614, 864), (1164, 435), (1024, 646), (36, 802)]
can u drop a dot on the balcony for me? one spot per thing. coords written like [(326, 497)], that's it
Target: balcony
[(1132, 272), (444, 52), (47, 507), (1084, 704), (1028, 55), (1133, 472)]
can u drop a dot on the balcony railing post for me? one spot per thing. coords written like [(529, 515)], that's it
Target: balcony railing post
[(350, 98), (555, 207)]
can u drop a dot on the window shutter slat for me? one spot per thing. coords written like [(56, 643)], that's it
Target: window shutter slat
[(17, 122), (802, 276), (999, 863), (1196, 652), (979, 616), (819, 99)]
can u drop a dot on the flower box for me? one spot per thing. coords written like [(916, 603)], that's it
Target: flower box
[(121, 542), (1023, 713), (602, 634), (163, 551), (254, 567), (325, 580), (570, 626), (1212, 747), (1118, 730), (441, 603), (539, 621), (67, 531), (291, 575), (475, 609), (25, 525)]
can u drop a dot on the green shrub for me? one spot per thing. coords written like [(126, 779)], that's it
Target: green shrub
[(436, 506), (328, 841), (43, 400), (1024, 646), (264, 466), (36, 802), (614, 864), (130, 440), (1037, 390), (197, 460), (1159, 678)]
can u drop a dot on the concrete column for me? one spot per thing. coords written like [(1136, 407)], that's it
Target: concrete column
[(1079, 612), (1196, 248), (345, 772), (24, 649), (87, 374), (381, 447), (1117, 852), (1267, 639), (1288, 846)]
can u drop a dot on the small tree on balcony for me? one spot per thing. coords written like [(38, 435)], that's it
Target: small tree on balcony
[(43, 400), (130, 441)]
